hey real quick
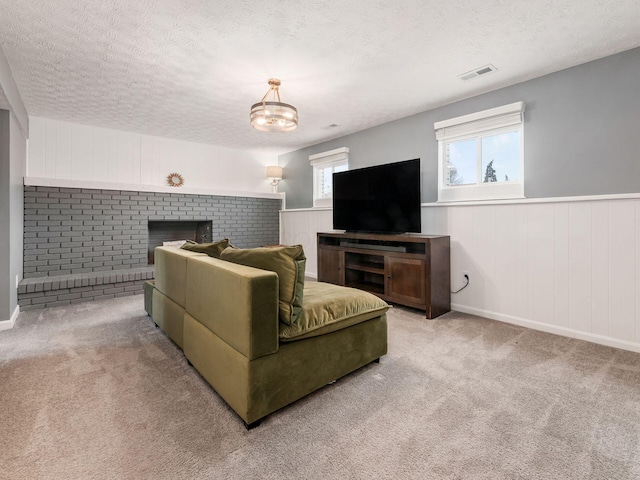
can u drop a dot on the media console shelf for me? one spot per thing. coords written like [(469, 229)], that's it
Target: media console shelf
[(411, 270)]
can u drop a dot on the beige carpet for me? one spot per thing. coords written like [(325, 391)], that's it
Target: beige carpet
[(96, 391)]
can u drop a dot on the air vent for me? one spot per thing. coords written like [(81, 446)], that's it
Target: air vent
[(478, 72)]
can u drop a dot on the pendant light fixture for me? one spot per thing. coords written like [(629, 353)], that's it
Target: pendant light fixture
[(273, 115)]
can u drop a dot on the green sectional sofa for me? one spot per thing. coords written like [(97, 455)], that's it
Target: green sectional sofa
[(228, 319)]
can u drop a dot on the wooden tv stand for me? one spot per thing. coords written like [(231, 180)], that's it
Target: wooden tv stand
[(411, 270)]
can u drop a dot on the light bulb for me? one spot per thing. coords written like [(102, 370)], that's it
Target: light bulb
[(281, 122), (261, 121)]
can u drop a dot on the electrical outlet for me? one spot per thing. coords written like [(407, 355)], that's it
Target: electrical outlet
[(17, 280)]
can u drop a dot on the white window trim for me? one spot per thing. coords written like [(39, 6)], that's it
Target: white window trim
[(472, 125), (336, 157)]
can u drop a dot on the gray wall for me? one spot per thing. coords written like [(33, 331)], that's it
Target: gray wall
[(14, 130), (5, 217), (18, 153), (13, 161), (581, 135)]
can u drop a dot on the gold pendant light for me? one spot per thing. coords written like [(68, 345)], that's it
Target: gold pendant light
[(273, 115)]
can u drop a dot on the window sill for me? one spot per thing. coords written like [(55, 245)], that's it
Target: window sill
[(471, 193)]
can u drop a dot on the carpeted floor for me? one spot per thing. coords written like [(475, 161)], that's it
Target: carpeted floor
[(96, 391)]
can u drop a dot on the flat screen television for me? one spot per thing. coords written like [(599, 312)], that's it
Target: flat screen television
[(380, 199)]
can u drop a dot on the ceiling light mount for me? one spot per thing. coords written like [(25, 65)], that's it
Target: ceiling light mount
[(273, 115)]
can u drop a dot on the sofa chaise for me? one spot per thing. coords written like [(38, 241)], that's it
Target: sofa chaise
[(258, 350)]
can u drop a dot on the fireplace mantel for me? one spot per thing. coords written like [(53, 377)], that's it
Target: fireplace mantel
[(135, 187)]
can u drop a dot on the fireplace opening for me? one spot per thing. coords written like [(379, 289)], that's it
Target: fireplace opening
[(171, 231)]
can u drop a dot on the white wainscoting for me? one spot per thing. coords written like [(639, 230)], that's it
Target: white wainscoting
[(62, 150), (301, 227), (566, 266)]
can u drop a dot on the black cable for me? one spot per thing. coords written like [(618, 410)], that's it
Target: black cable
[(465, 285)]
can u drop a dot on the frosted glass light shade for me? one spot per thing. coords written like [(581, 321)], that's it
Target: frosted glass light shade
[(275, 172), (274, 117)]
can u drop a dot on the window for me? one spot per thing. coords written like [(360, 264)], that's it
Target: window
[(480, 155), (324, 166)]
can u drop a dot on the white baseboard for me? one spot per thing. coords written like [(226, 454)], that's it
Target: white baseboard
[(564, 331), (8, 324)]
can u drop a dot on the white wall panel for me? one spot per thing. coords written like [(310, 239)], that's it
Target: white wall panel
[(100, 157), (567, 267), (561, 263), (580, 266), (521, 261), (435, 221), (61, 150), (637, 222), (36, 163), (50, 148), (622, 272), (483, 253), (600, 268), (505, 247), (81, 153), (540, 295), (148, 165), (460, 222), (301, 227), (114, 151)]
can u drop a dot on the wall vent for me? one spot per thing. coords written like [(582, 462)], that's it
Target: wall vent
[(478, 72)]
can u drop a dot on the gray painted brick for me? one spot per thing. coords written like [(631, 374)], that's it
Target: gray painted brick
[(40, 300), (103, 297), (60, 271), (60, 261)]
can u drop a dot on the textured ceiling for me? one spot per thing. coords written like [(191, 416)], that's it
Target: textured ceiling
[(191, 69)]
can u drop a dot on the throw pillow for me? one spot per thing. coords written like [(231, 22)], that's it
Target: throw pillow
[(288, 262), (213, 249)]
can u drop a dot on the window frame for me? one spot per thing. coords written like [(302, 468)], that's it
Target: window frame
[(478, 125), (321, 161)]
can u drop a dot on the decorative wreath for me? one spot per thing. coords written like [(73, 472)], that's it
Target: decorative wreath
[(175, 180)]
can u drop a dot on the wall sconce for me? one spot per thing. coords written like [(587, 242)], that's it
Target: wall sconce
[(274, 172)]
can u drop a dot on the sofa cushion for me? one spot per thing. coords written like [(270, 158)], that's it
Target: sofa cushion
[(239, 304), (171, 271), (149, 286), (327, 308), (288, 262), (213, 249)]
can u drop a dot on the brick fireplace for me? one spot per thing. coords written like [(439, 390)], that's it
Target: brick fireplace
[(163, 231), (87, 244)]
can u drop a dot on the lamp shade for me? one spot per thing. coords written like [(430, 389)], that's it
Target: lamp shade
[(274, 171)]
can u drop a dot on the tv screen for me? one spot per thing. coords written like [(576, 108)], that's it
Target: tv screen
[(384, 198)]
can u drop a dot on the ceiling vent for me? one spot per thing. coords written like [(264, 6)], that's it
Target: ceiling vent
[(478, 72)]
